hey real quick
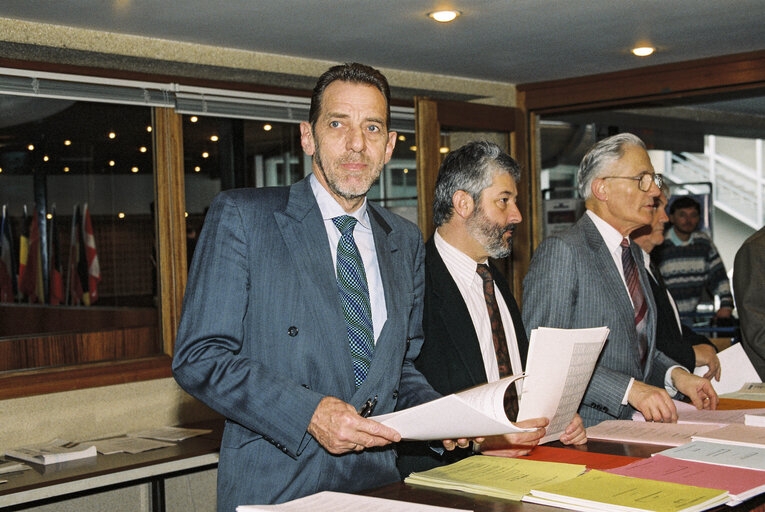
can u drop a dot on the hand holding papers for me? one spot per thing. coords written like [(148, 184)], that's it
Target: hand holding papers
[(475, 412), (737, 370)]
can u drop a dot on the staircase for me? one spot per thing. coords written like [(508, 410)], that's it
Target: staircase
[(737, 189)]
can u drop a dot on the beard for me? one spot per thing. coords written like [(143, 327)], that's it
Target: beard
[(491, 236), (334, 178)]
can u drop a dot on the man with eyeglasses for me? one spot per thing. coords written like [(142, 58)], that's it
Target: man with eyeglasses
[(592, 275)]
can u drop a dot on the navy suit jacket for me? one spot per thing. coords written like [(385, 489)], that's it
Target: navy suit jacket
[(573, 283), (263, 339), (451, 357)]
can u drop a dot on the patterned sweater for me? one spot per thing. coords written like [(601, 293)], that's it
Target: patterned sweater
[(691, 268)]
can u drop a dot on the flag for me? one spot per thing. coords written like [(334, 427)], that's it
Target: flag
[(23, 250), (74, 282), (91, 258), (56, 292), (7, 271), (30, 280)]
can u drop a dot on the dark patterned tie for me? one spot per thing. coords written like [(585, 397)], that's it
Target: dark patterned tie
[(500, 341), (354, 295), (638, 299)]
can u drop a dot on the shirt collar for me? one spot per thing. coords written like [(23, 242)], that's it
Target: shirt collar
[(330, 208), (610, 234), (461, 266)]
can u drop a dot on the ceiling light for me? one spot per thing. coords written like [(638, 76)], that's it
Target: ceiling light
[(412, 148), (142, 149), (111, 163), (112, 135), (66, 169), (444, 16), (205, 154), (267, 127), (185, 214), (121, 215), (49, 216), (643, 51), (134, 169), (31, 147), (67, 143), (193, 119), (402, 138), (148, 129), (45, 158), (197, 169), (214, 138), (1, 169), (443, 150)]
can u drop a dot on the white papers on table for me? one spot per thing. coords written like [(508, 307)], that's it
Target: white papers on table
[(559, 365), (736, 370), (128, 445), (329, 501), (171, 434), (475, 412), (723, 454), (53, 452), (718, 417), (12, 467), (749, 391), (648, 432)]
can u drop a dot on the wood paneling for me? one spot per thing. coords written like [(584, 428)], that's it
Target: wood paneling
[(428, 137), (22, 319)]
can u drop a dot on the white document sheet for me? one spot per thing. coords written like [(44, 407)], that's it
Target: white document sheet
[(558, 369), (736, 370), (648, 432), (329, 501), (475, 412), (715, 453)]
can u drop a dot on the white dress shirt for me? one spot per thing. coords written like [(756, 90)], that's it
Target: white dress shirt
[(462, 268), (362, 234)]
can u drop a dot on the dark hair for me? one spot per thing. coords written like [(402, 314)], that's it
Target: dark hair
[(349, 72), (470, 168), (684, 202)]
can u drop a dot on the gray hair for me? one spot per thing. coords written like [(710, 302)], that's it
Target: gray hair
[(599, 157), (470, 168)]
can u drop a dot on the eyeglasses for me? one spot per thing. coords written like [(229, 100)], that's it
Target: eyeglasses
[(644, 180)]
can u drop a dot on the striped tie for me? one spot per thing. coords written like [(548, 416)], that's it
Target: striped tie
[(354, 294), (638, 299)]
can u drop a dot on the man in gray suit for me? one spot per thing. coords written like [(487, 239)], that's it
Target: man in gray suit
[(588, 277), (748, 283), (284, 346)]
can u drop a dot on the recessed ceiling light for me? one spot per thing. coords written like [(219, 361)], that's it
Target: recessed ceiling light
[(444, 16), (643, 51), (267, 127), (214, 138)]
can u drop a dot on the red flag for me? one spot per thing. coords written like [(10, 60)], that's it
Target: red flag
[(56, 291), (91, 257), (7, 288)]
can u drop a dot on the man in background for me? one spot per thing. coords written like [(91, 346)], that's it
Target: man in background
[(749, 286), (473, 328), (690, 262), (592, 276), (675, 339)]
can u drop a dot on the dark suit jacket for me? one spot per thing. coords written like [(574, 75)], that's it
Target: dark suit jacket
[(573, 283), (450, 357), (263, 339), (675, 343), (748, 285)]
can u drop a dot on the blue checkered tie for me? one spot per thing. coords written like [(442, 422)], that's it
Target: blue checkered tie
[(354, 294)]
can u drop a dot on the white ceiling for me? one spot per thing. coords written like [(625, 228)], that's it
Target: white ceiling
[(516, 41)]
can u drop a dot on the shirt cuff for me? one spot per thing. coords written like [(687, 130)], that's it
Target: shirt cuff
[(627, 393), (668, 384)]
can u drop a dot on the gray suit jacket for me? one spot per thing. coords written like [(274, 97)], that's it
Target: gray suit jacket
[(573, 283), (748, 286), (263, 339)]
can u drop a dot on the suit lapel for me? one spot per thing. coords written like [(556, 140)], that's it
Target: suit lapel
[(305, 236), (614, 284), (454, 315)]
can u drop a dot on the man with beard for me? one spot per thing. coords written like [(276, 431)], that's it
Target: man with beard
[(590, 276), (303, 304), (468, 341)]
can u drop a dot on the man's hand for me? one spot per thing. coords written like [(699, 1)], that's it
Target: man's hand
[(339, 429), (516, 444), (698, 389), (707, 355), (574, 433), (654, 403)]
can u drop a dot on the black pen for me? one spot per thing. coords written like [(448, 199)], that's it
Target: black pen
[(368, 407)]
